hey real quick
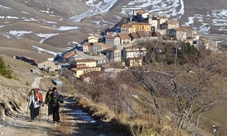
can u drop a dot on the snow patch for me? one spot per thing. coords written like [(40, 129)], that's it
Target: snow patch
[(19, 33), (43, 50), (46, 36), (66, 28), (1, 6), (11, 17), (97, 7)]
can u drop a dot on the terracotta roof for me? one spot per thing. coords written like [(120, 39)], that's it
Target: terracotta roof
[(134, 35), (142, 33), (110, 37), (124, 36), (87, 44), (69, 54)]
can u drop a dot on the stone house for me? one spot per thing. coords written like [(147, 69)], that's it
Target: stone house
[(101, 60), (173, 24), (134, 62), (127, 28), (181, 33), (99, 47), (82, 66), (113, 55), (141, 26), (112, 40), (152, 20), (48, 66), (78, 72), (125, 39), (161, 19), (133, 52), (87, 47), (83, 63)]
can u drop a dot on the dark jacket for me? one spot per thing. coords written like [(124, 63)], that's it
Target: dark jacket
[(54, 101)]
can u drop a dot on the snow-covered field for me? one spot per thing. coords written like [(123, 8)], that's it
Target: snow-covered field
[(171, 8), (100, 15)]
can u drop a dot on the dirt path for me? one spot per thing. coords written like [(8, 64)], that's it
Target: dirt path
[(74, 122)]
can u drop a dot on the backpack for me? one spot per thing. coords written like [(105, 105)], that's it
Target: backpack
[(48, 94), (40, 96)]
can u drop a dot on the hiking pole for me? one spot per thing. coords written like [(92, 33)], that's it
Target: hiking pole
[(27, 113), (63, 114), (39, 113)]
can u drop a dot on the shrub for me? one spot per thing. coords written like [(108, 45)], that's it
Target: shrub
[(5, 70)]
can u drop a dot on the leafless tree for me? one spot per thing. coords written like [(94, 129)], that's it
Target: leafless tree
[(191, 88)]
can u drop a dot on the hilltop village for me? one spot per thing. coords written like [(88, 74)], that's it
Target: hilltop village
[(119, 45)]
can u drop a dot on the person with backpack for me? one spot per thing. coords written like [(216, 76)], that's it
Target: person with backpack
[(40, 97), (47, 101), (54, 103), (33, 103), (55, 89)]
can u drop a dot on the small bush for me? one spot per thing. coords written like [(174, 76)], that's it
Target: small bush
[(5, 70)]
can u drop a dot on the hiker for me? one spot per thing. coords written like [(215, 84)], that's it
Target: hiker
[(32, 104), (39, 95), (54, 103), (47, 101), (55, 89)]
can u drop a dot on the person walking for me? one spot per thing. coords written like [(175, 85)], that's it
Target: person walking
[(57, 93), (32, 104), (47, 101), (54, 103), (39, 96)]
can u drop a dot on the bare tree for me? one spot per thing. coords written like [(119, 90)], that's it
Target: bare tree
[(189, 87)]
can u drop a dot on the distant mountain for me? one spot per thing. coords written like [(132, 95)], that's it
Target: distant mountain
[(40, 26)]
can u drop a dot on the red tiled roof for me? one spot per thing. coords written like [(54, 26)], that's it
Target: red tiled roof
[(142, 33), (135, 35), (69, 54), (87, 44), (110, 37), (124, 36)]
